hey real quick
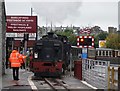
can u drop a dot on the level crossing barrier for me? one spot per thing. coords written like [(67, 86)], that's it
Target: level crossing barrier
[(95, 72)]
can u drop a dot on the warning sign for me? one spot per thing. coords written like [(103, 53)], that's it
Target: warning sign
[(21, 24), (102, 43)]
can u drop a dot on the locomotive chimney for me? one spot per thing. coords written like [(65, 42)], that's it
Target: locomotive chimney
[(50, 34)]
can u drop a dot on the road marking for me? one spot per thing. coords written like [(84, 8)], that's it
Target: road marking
[(84, 82), (31, 83)]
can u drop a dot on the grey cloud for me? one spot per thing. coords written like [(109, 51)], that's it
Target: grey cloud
[(56, 12)]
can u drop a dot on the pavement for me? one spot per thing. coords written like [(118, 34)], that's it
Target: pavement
[(8, 84)]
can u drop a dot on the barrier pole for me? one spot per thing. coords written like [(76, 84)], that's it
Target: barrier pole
[(108, 78), (112, 77), (119, 79)]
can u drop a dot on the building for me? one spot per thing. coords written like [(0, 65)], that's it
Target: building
[(112, 30)]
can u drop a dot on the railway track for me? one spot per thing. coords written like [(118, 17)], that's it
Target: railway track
[(56, 84)]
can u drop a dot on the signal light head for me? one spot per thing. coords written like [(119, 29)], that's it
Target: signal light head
[(81, 40)]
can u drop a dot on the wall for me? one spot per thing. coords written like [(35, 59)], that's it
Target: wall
[(2, 38)]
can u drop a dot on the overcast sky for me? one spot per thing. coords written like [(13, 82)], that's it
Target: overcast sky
[(103, 13)]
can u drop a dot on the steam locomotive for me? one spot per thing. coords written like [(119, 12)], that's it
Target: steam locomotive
[(51, 56)]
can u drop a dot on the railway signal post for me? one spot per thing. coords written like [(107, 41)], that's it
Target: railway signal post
[(26, 36)]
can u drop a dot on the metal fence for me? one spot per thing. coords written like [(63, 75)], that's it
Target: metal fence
[(95, 72)]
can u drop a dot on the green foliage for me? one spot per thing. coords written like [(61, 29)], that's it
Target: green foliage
[(101, 36), (73, 39), (113, 41), (70, 35)]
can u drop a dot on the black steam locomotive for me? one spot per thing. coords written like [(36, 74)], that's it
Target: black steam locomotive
[(51, 56)]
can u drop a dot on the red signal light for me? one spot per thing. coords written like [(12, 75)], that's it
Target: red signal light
[(81, 40)]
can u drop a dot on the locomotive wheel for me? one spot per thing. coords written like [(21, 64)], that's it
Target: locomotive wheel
[(35, 74), (63, 72), (63, 69)]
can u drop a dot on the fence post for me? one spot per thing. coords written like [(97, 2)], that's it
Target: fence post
[(119, 79), (108, 77), (112, 77)]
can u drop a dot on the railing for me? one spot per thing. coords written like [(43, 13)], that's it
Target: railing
[(95, 72), (113, 77)]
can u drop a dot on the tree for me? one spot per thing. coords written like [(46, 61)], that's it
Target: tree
[(113, 41), (101, 36), (70, 35)]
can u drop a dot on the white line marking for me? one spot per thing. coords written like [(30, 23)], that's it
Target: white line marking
[(84, 82), (31, 83)]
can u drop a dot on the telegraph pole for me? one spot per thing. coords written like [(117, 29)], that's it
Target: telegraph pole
[(51, 26), (12, 40), (46, 26), (31, 11)]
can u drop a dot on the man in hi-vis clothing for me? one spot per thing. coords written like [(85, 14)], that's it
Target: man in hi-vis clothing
[(15, 63)]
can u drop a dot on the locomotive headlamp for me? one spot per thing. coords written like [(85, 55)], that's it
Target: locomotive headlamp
[(56, 44), (60, 60), (35, 55)]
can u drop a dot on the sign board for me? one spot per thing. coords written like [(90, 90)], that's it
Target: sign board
[(84, 50), (20, 35), (21, 24), (84, 55), (102, 44)]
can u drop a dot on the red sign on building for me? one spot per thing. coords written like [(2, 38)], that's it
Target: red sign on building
[(21, 24)]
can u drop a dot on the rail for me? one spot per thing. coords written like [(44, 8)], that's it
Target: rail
[(56, 84), (113, 75)]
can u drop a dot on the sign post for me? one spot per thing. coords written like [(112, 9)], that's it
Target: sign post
[(70, 64), (26, 36), (84, 53)]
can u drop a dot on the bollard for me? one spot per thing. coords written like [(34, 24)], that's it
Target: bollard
[(78, 69), (119, 79)]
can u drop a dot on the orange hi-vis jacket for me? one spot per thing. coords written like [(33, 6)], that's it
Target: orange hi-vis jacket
[(21, 58), (14, 59)]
